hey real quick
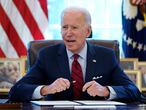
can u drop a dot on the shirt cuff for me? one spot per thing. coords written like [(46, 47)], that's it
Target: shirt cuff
[(37, 93), (113, 94)]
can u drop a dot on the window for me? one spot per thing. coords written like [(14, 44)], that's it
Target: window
[(106, 17)]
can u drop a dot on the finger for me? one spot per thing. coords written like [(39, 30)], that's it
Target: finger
[(87, 85), (91, 92), (94, 89), (67, 83), (60, 86), (91, 88), (59, 90), (56, 86), (54, 89), (138, 2)]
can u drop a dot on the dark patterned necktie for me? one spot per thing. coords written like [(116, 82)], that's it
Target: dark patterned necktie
[(77, 77)]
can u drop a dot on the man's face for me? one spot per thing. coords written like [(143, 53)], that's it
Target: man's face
[(74, 31)]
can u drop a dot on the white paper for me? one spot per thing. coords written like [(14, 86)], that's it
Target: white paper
[(64, 106), (112, 107), (90, 102), (3, 101), (61, 103)]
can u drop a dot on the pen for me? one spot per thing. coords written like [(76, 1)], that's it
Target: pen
[(73, 82)]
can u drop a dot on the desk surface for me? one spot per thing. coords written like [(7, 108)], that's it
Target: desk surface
[(30, 106)]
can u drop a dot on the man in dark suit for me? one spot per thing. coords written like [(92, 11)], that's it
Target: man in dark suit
[(99, 75)]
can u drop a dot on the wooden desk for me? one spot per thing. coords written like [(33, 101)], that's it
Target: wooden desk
[(30, 106)]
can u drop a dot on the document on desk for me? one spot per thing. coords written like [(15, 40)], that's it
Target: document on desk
[(91, 102), (102, 107), (55, 103)]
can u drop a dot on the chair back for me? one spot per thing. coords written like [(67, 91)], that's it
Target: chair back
[(35, 46)]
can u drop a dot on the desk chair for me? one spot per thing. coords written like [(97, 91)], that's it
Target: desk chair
[(35, 46)]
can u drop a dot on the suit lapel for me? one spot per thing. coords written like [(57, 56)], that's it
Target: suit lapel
[(64, 70), (91, 64), (63, 63)]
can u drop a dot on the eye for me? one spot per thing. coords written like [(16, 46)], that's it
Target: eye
[(74, 27), (64, 27)]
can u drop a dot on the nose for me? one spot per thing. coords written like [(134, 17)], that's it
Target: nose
[(69, 31)]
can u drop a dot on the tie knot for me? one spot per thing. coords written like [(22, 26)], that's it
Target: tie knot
[(76, 56)]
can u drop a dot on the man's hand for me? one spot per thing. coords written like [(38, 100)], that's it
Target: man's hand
[(58, 85), (95, 89), (137, 2)]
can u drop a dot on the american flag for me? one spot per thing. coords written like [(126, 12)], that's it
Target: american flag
[(21, 21), (134, 30)]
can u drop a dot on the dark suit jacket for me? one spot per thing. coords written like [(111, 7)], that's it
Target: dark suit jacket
[(52, 63)]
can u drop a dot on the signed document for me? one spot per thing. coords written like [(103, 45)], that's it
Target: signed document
[(91, 102), (56, 103)]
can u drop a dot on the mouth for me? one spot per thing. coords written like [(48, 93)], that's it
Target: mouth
[(70, 41)]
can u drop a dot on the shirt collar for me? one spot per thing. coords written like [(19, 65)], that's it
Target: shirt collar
[(82, 53)]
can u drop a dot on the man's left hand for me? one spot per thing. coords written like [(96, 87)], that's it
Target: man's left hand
[(95, 89)]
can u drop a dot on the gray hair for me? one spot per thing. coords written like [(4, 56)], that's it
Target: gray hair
[(85, 12)]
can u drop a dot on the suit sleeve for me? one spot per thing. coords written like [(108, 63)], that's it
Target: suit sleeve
[(125, 89), (22, 91)]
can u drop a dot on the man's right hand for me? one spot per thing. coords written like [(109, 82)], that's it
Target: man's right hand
[(58, 85)]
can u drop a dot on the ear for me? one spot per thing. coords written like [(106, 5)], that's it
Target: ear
[(89, 32), (90, 36)]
